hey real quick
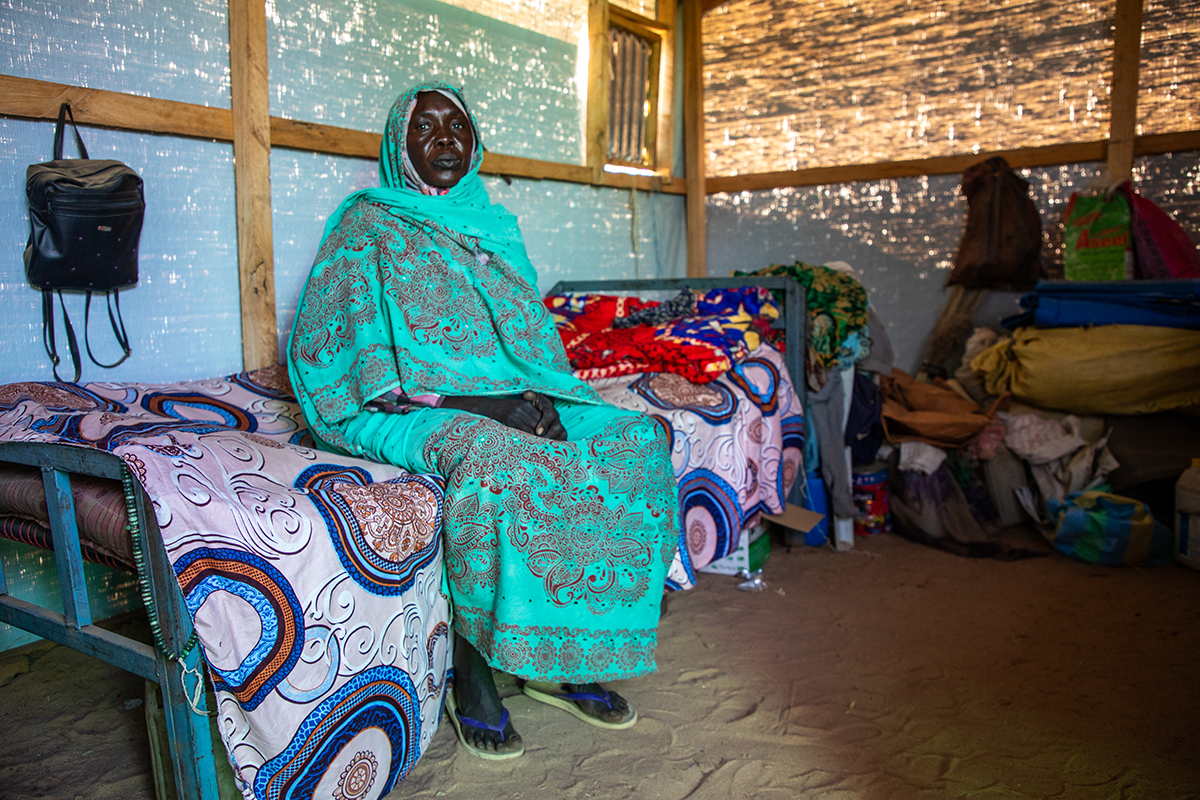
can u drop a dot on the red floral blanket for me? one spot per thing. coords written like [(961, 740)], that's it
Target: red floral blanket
[(725, 326)]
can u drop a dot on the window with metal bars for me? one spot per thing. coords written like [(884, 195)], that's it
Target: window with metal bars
[(634, 60)]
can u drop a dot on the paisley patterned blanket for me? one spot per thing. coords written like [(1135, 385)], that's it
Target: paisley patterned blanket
[(314, 579)]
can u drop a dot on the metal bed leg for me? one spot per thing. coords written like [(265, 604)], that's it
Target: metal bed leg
[(180, 665), (60, 507), (188, 733)]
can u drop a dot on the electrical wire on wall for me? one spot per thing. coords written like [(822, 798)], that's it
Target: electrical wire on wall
[(633, 227)]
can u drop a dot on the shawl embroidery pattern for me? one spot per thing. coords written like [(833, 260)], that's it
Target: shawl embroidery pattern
[(605, 562), (550, 649)]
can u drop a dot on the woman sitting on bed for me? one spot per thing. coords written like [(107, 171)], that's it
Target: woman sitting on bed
[(420, 341)]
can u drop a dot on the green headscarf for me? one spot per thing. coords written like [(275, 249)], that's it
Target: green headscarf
[(428, 294)]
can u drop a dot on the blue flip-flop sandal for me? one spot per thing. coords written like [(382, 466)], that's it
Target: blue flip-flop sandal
[(458, 719), (569, 702)]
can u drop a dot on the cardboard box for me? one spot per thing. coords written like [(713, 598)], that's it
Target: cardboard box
[(796, 518), (754, 545)]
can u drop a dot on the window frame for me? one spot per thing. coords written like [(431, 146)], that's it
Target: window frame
[(650, 107), (660, 121)]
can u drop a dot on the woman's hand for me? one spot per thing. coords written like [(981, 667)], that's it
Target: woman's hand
[(530, 412)]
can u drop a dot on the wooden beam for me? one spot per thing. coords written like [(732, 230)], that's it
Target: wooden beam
[(1127, 56), (664, 157), (1155, 144), (317, 138), (946, 165), (519, 167), (1045, 156), (599, 76), (635, 19), (33, 99), (694, 148), (252, 180)]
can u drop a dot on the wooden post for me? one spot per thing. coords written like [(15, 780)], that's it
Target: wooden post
[(599, 76), (664, 157), (252, 180), (693, 138), (1127, 56)]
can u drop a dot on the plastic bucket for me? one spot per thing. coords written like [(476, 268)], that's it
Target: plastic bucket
[(815, 500), (871, 500)]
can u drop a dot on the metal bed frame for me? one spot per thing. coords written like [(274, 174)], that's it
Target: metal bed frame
[(174, 661), (793, 318)]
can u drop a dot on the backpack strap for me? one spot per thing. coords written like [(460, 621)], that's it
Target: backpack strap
[(118, 327), (64, 111), (48, 335)]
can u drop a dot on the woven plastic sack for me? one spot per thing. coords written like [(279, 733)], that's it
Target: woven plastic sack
[(1097, 238), (1108, 369), (1102, 528)]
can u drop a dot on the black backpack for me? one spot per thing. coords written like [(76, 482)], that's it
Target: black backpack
[(85, 218)]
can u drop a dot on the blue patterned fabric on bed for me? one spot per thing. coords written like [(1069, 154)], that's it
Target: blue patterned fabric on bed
[(313, 579)]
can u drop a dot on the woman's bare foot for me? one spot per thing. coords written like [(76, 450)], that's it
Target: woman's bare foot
[(479, 702)]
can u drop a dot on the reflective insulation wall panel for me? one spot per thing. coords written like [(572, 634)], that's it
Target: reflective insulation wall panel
[(183, 316), (576, 232), (1169, 75), (175, 51), (305, 189), (792, 85), (901, 236), (344, 63)]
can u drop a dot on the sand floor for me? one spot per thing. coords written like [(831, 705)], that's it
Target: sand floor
[(891, 671)]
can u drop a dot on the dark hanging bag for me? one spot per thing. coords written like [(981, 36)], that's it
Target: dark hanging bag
[(85, 218), (1002, 241)]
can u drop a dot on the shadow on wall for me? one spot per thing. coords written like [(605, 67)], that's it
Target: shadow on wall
[(908, 296)]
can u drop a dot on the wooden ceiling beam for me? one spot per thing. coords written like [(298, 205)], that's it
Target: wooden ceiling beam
[(1127, 57), (1045, 156)]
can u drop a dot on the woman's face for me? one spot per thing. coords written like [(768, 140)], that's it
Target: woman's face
[(439, 140)]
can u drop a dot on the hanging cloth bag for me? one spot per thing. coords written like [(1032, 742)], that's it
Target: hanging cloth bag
[(85, 218), (1162, 249), (1002, 242)]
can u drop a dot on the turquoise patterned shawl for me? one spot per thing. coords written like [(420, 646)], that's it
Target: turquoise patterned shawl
[(428, 294)]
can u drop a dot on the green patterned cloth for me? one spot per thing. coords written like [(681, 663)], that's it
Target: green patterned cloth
[(556, 552), (837, 305)]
